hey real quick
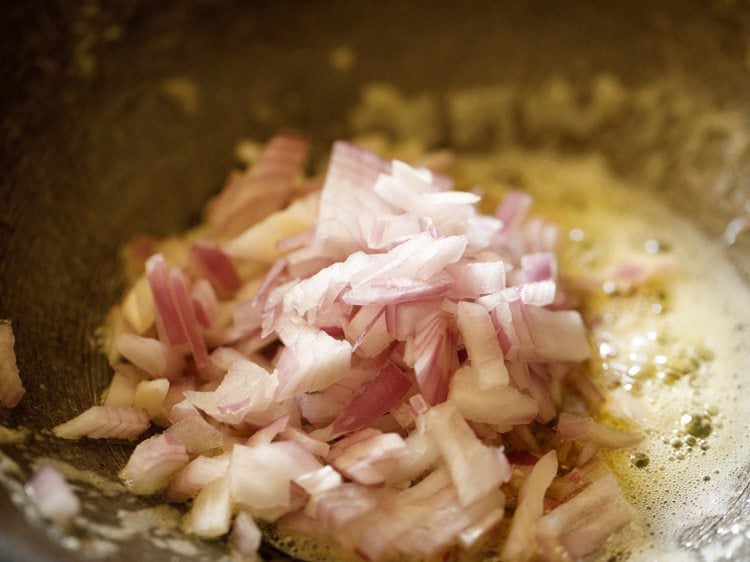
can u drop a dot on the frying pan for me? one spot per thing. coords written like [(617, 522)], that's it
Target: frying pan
[(97, 147)]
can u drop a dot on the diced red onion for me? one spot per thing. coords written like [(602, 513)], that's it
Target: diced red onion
[(205, 303), (475, 469), (520, 544), (211, 513), (246, 388), (105, 421), (374, 399), (264, 188), (167, 315), (200, 472), (260, 476), (151, 355), (570, 426), (502, 406), (246, 536), (52, 495), (196, 434), (582, 524), (482, 345), (311, 360), (153, 463)]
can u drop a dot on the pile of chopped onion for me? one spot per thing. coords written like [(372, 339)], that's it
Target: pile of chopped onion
[(372, 359)]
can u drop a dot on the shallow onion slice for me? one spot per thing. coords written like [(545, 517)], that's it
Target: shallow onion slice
[(369, 461), (348, 205), (105, 421), (520, 544), (246, 536), (260, 475), (434, 359), (151, 355), (167, 315), (121, 389), (259, 241), (269, 432), (513, 209), (138, 306), (52, 495), (205, 303), (200, 472), (153, 463), (558, 335), (503, 406), (374, 399), (190, 324), (11, 388), (308, 296), (393, 290), (471, 280), (540, 266), (246, 388), (585, 429), (420, 455), (264, 188), (475, 468), (149, 396), (392, 230), (211, 513), (311, 360), (482, 345), (196, 434), (319, 481), (582, 524)]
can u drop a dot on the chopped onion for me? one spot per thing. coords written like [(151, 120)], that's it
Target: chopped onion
[(211, 513), (52, 495), (520, 543), (570, 426), (152, 464), (475, 469), (105, 421), (246, 535), (154, 357)]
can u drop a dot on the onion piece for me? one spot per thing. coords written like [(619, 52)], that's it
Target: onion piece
[(121, 389), (481, 342), (319, 481), (211, 513), (196, 434), (513, 210), (153, 463), (259, 476), (348, 205), (246, 536), (151, 355), (557, 335), (11, 388), (105, 421), (520, 544), (167, 315), (149, 396), (200, 472), (138, 306), (475, 468), (582, 524), (374, 399), (264, 188), (434, 359), (369, 461), (259, 241), (246, 388), (205, 303), (501, 406), (52, 495), (570, 426), (190, 325), (311, 360)]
